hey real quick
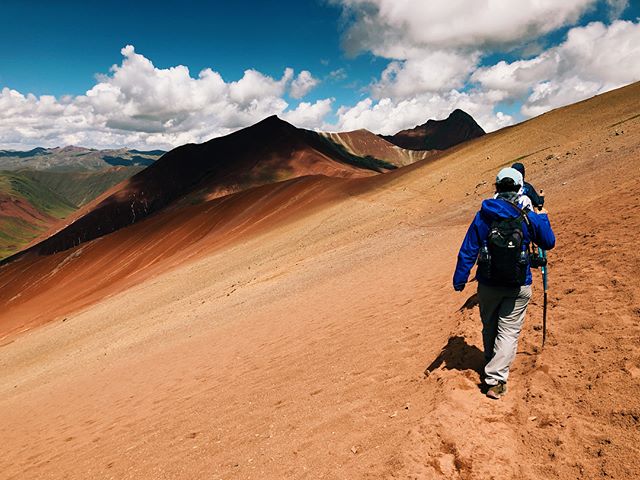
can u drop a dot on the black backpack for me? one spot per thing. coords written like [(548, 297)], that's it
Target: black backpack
[(503, 257)]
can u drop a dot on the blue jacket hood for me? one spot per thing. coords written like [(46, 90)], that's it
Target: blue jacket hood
[(495, 208)]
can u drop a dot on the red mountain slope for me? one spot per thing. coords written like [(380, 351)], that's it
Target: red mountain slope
[(34, 288)]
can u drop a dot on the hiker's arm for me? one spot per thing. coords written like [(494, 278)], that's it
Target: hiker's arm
[(536, 199), (543, 235), (468, 254)]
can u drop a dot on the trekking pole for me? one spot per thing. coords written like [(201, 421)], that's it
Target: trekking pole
[(543, 254), (543, 269)]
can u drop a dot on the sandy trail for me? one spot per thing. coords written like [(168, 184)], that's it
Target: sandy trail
[(300, 352)]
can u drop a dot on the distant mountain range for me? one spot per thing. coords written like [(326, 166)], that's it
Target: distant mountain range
[(76, 158), (101, 191)]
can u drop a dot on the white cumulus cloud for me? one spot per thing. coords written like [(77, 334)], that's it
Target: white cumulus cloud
[(303, 84), (139, 105), (402, 29), (593, 59), (435, 71), (309, 115)]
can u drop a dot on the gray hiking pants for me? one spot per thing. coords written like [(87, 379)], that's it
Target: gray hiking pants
[(502, 310)]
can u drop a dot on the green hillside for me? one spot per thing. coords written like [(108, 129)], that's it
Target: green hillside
[(80, 188), (15, 233), (27, 208), (42, 198)]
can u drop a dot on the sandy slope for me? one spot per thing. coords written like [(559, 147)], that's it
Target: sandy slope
[(299, 351)]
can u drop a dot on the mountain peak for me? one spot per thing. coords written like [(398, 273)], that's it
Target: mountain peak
[(272, 120), (457, 113), (458, 127)]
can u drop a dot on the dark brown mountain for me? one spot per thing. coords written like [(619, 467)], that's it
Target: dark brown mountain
[(267, 152), (438, 134)]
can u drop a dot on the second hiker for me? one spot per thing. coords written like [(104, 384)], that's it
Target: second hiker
[(528, 190)]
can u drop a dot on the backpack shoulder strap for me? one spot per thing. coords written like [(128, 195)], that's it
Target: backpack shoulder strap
[(523, 215)]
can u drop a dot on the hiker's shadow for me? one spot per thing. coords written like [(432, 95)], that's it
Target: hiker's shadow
[(457, 354)]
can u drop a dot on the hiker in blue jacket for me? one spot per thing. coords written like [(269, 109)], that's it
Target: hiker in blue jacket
[(503, 297)]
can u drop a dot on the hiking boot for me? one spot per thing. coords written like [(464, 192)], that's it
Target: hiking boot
[(497, 391)]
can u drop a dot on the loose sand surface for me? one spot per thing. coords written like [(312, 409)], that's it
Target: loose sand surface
[(330, 344)]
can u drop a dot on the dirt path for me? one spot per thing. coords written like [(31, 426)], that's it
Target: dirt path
[(573, 410)]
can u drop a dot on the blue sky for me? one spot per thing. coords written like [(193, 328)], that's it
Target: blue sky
[(63, 44), (374, 64)]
